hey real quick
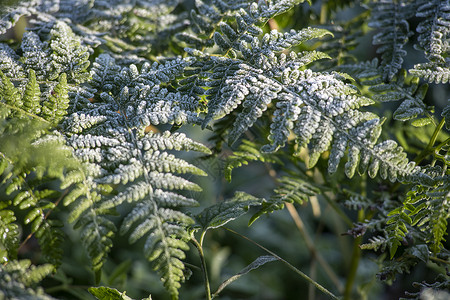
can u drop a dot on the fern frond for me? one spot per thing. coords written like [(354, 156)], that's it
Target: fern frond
[(400, 88), (391, 19), (428, 208), (17, 279), (432, 72), (401, 265), (435, 290), (223, 212), (376, 243), (10, 62), (246, 153), (433, 41), (36, 54), (68, 55), (9, 235), (110, 136)]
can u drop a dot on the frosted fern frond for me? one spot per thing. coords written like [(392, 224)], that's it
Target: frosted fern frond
[(147, 101), (18, 277), (390, 17), (400, 88), (432, 72), (291, 190), (319, 108), (36, 54), (249, 18), (123, 29), (230, 79), (68, 55), (437, 290), (166, 240), (9, 62), (433, 40), (109, 135)]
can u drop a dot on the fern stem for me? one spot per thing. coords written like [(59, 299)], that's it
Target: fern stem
[(312, 249), (356, 255), (22, 111), (429, 148), (323, 13), (436, 259), (203, 265), (303, 275)]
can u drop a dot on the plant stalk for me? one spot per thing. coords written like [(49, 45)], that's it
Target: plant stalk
[(203, 265), (356, 255), (312, 249)]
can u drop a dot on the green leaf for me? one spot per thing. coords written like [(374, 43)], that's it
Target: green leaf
[(106, 293), (421, 252), (421, 122), (221, 213)]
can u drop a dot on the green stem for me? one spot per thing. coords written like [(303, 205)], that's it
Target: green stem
[(356, 255), (203, 264), (436, 259), (323, 12), (303, 275), (429, 148)]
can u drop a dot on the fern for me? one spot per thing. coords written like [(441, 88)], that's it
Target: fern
[(400, 88), (427, 207), (433, 41), (98, 98), (390, 17), (18, 278), (138, 162)]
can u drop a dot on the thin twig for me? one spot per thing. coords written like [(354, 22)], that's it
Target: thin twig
[(312, 249), (303, 275)]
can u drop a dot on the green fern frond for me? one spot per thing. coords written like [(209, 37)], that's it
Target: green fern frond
[(376, 243), (428, 208), (247, 152), (9, 235), (223, 212)]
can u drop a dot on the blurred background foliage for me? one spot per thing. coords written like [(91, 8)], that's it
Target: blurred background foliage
[(297, 234)]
